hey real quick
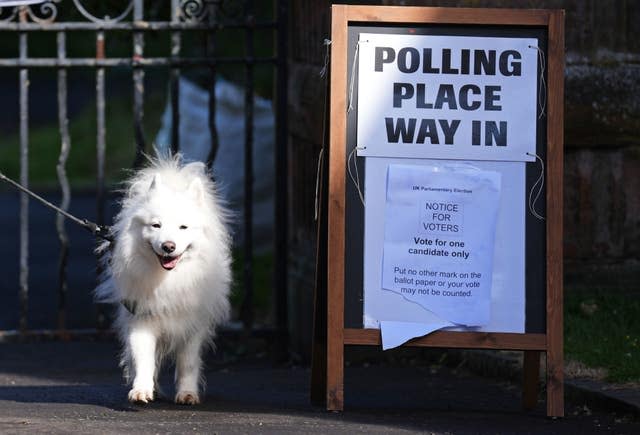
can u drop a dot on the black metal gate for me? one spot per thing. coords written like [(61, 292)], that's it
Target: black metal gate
[(182, 24)]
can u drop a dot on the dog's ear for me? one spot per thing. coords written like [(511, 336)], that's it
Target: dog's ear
[(196, 190), (156, 183)]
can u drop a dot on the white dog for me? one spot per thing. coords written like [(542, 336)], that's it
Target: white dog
[(169, 270)]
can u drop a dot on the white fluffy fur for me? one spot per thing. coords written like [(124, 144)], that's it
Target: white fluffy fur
[(177, 310)]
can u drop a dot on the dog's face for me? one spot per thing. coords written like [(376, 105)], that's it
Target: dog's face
[(170, 222)]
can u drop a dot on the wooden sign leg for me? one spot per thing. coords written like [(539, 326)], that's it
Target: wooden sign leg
[(555, 152), (318, 387), (555, 383), (530, 375), (335, 371), (336, 174)]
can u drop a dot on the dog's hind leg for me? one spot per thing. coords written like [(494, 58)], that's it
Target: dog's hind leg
[(142, 348), (188, 367)]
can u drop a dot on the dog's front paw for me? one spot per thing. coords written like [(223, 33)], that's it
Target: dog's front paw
[(140, 395), (187, 398)]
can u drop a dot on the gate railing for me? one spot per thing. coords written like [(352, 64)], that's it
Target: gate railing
[(203, 16)]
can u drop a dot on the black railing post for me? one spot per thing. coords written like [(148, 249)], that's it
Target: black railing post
[(65, 148), (138, 84), (176, 40), (247, 309), (281, 170), (213, 70), (101, 148), (24, 179)]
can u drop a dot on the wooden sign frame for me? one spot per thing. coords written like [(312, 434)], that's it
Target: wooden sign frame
[(330, 334)]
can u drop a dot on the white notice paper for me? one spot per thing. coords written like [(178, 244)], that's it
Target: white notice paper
[(399, 319), (395, 334), (440, 225)]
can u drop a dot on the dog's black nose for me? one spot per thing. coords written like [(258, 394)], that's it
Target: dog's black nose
[(168, 247)]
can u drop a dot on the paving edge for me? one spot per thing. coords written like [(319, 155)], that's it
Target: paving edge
[(506, 365)]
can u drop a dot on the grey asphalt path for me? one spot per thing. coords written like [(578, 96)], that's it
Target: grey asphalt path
[(77, 388)]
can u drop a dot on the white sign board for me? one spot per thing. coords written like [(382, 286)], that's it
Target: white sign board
[(447, 97), (401, 319), (440, 223)]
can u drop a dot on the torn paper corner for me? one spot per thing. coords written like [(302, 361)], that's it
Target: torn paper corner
[(395, 334)]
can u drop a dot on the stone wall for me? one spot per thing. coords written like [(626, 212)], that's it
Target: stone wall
[(602, 140)]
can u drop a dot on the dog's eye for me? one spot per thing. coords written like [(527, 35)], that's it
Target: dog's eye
[(156, 225), (183, 227)]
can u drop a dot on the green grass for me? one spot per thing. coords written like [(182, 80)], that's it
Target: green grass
[(602, 330), (44, 144), (262, 268)]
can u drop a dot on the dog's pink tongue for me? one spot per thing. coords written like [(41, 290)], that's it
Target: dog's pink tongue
[(169, 262)]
